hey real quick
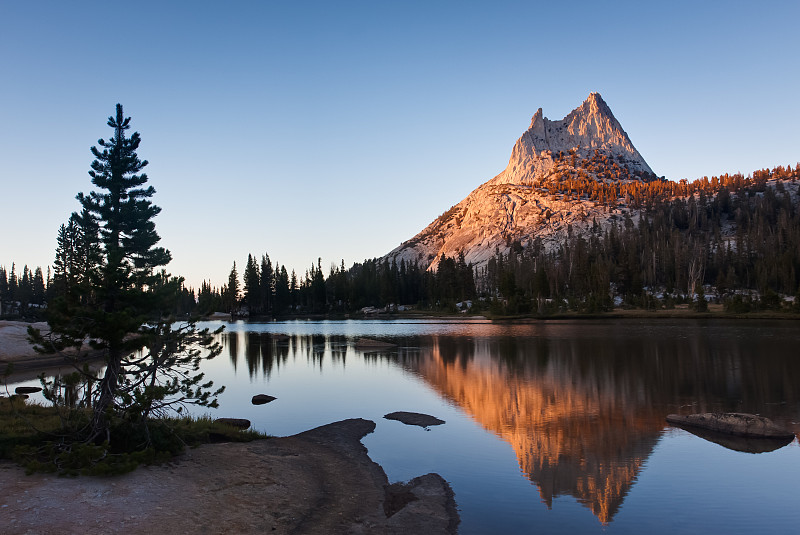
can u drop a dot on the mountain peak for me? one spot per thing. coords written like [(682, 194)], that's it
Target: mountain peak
[(597, 105), (594, 97), (537, 118), (588, 128), (526, 203)]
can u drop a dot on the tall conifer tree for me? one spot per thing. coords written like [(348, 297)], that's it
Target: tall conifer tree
[(119, 299)]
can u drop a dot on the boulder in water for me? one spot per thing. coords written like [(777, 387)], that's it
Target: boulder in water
[(733, 423), (261, 399), (414, 418)]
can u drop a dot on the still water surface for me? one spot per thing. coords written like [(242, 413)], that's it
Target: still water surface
[(552, 427)]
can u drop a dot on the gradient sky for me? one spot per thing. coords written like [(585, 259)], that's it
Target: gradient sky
[(340, 129)]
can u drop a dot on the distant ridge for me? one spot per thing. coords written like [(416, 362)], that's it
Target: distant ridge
[(517, 206)]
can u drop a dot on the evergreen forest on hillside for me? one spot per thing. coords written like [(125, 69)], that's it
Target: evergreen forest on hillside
[(730, 239)]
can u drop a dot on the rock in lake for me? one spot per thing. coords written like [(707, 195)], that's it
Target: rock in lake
[(239, 423), (27, 389), (414, 418), (733, 423), (261, 399)]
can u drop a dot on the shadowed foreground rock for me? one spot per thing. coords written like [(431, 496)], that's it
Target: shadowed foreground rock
[(733, 423), (414, 418), (318, 482)]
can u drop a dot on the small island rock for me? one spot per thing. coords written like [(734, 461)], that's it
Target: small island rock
[(261, 399), (734, 423), (414, 418)]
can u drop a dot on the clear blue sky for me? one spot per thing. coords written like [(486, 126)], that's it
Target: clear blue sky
[(340, 129)]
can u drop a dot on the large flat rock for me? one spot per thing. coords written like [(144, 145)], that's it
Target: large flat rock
[(733, 423), (318, 482), (17, 351)]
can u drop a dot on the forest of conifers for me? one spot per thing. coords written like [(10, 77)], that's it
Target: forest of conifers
[(732, 239)]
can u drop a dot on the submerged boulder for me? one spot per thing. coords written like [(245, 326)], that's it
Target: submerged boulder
[(414, 418), (733, 423)]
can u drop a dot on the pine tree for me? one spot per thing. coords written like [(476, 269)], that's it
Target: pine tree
[(282, 295), (252, 285), (12, 283), (37, 287), (4, 295), (267, 285), (231, 293), (118, 300)]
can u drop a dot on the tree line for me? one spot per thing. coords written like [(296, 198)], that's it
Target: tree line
[(271, 291), (25, 294), (677, 247)]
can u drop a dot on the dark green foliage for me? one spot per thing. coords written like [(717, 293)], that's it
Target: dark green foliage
[(45, 439), (701, 304), (252, 286)]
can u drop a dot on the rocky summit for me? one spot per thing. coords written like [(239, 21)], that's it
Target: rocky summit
[(526, 201), (540, 151)]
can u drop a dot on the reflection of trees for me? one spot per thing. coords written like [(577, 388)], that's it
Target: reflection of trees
[(583, 413), (262, 351), (231, 339)]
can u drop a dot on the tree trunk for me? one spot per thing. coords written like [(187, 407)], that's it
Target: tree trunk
[(108, 391)]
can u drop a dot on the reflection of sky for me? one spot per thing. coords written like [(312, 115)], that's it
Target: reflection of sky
[(685, 484)]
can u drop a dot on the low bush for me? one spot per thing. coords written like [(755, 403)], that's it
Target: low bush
[(44, 439)]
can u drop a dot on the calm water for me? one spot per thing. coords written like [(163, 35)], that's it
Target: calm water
[(555, 427)]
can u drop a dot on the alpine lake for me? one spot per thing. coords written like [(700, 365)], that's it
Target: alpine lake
[(551, 426)]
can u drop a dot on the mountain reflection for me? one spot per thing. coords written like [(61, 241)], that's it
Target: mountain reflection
[(582, 416), (571, 424)]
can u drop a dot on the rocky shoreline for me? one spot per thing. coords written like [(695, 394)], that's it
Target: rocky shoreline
[(318, 482)]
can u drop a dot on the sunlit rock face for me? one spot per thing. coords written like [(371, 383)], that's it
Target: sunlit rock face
[(518, 206), (587, 128)]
